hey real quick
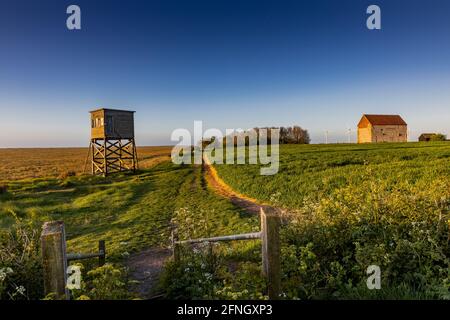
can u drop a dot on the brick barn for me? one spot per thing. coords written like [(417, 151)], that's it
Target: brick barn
[(374, 128)]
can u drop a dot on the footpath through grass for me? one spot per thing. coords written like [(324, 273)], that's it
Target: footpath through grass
[(130, 212)]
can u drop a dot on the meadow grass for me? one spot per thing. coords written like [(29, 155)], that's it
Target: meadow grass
[(316, 171), (131, 212), (352, 206)]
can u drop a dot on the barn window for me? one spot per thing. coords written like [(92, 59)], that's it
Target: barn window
[(400, 135)]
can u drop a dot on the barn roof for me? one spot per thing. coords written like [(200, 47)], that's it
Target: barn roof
[(428, 134), (383, 119), (108, 109)]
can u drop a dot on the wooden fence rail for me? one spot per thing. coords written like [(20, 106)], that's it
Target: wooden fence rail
[(270, 248), (245, 236), (55, 258), (101, 254)]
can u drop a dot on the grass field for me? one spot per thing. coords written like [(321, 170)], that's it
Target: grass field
[(132, 212), (350, 206), (312, 172)]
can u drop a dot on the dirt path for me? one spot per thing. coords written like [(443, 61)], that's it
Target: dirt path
[(146, 267), (248, 204)]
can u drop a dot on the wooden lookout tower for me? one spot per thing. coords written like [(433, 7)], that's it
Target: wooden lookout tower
[(113, 147)]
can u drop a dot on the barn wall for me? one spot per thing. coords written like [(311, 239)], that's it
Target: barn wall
[(390, 133), (365, 135)]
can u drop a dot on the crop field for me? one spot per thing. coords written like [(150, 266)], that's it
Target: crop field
[(17, 164), (347, 207)]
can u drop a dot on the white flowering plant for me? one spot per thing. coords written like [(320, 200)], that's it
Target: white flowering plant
[(20, 263)]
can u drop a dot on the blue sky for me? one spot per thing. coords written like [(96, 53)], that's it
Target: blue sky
[(232, 64)]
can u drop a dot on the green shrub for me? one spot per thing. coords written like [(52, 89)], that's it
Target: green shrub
[(3, 189), (194, 276), (107, 282), (327, 250), (202, 273), (20, 263), (211, 271), (246, 283), (438, 137)]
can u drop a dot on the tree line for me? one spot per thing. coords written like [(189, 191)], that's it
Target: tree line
[(287, 135)]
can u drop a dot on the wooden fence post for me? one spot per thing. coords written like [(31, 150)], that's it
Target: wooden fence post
[(102, 250), (53, 243), (270, 224)]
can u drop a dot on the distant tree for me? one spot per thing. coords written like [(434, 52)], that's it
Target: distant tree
[(294, 135), (283, 134), (289, 135), (300, 136), (438, 137)]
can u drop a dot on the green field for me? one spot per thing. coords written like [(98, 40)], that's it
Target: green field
[(315, 172), (132, 212), (348, 207), (352, 206)]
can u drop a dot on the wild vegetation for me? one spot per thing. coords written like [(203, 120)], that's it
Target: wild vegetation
[(132, 212), (351, 206), (348, 207), (438, 137)]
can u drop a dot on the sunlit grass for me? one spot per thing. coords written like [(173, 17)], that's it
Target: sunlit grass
[(131, 212)]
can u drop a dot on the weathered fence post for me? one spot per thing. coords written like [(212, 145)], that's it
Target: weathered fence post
[(270, 224), (102, 251), (53, 243), (175, 245)]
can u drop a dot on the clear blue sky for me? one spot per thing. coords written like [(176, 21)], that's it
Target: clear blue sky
[(232, 64)]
